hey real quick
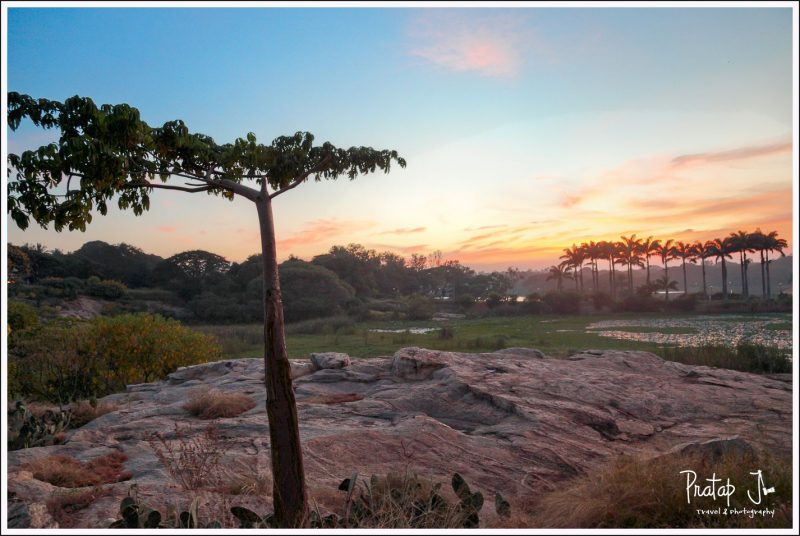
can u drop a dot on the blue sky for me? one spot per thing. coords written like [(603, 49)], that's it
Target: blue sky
[(524, 129)]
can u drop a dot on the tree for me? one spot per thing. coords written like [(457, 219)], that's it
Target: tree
[(630, 252), (575, 257), (649, 248), (742, 242), (109, 152), (19, 264), (664, 283), (721, 249), (684, 251), (666, 251), (773, 243), (559, 272), (700, 253)]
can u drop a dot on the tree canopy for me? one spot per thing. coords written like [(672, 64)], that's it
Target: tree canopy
[(110, 151)]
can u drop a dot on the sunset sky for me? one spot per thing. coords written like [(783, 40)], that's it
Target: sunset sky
[(525, 130)]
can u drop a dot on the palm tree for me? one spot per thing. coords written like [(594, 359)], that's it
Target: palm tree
[(574, 256), (666, 285), (721, 248), (699, 252), (758, 242), (773, 243), (592, 253), (742, 242), (684, 251), (666, 251), (559, 272), (649, 248), (630, 249)]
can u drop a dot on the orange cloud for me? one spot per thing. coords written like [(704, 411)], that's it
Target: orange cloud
[(166, 228)]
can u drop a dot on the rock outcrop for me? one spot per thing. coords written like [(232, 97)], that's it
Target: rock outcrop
[(514, 420)]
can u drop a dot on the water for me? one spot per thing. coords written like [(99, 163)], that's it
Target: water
[(413, 331), (720, 330)]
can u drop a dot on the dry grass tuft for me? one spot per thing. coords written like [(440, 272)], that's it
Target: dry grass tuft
[(245, 480), (67, 472), (192, 460), (214, 404), (336, 398), (62, 506), (633, 493), (83, 412)]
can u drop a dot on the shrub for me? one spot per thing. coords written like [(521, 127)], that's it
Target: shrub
[(69, 360), (563, 302), (639, 304), (683, 303), (214, 404), (193, 461), (107, 290), (419, 307), (67, 472), (84, 411), (21, 316)]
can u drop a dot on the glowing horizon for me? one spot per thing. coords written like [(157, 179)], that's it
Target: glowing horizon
[(525, 130)]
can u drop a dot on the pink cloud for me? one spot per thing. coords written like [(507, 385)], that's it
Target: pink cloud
[(490, 46), (320, 230), (166, 228), (740, 153)]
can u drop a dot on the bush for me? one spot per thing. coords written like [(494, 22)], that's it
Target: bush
[(419, 307), (67, 287), (107, 290), (21, 316), (68, 360), (744, 356), (563, 302)]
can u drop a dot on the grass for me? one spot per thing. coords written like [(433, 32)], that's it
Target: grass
[(67, 472), (556, 335), (634, 493), (214, 404), (743, 357), (83, 412), (62, 505)]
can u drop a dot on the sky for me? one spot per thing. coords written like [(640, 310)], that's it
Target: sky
[(525, 129)]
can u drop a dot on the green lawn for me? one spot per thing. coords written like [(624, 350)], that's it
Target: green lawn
[(553, 334)]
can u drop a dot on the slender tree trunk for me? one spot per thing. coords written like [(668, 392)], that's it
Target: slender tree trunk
[(666, 281), (769, 287), (724, 279), (611, 277), (744, 272), (580, 274), (685, 286), (289, 489), (647, 259), (703, 266), (763, 276)]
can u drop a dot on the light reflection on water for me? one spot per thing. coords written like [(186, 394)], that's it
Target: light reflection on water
[(727, 330)]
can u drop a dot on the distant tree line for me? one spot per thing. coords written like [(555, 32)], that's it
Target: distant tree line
[(631, 252), (346, 279)]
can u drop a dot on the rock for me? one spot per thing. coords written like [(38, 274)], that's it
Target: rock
[(18, 515), (330, 360), (525, 352), (714, 449), (506, 420)]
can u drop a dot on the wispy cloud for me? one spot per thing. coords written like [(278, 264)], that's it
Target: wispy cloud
[(318, 231), (166, 228), (404, 230), (741, 153), (489, 45)]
